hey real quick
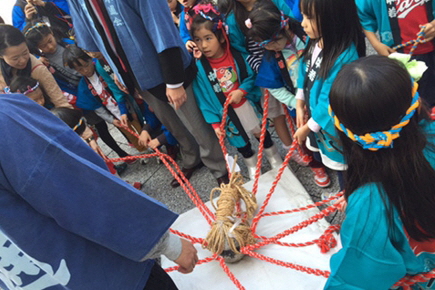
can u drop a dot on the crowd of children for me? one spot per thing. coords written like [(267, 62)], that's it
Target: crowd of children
[(348, 109)]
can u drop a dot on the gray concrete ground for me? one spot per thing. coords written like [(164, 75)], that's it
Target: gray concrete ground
[(156, 177)]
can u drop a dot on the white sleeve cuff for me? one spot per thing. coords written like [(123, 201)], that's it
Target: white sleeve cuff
[(174, 86), (300, 95), (172, 250), (313, 125)]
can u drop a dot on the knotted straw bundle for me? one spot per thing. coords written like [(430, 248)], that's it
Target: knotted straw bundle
[(232, 226)]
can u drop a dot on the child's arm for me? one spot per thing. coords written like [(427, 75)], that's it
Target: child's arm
[(269, 77), (184, 32), (380, 48)]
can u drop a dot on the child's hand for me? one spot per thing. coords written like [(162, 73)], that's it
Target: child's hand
[(29, 11), (218, 132), (124, 120), (197, 53), (301, 134), (236, 96), (300, 113), (144, 138), (429, 31), (153, 144), (175, 18), (117, 123), (188, 257), (383, 49), (190, 45), (93, 144), (120, 85)]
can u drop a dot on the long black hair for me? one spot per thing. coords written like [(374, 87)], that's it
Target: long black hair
[(266, 22), (372, 94), (11, 36), (338, 25)]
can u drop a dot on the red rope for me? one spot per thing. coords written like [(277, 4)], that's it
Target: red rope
[(325, 242)]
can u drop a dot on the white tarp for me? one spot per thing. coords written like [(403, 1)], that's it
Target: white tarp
[(256, 274)]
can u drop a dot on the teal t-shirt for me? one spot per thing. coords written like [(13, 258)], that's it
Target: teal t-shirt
[(368, 259)]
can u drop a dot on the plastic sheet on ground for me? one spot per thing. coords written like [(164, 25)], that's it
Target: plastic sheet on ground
[(253, 273)]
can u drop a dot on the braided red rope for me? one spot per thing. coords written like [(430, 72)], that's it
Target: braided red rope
[(325, 242)]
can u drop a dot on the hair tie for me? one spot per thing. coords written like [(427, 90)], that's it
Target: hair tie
[(82, 119), (382, 139), (31, 89), (283, 22)]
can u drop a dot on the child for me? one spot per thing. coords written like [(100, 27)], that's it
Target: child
[(223, 73), (236, 15), (31, 89), (398, 22), (94, 94), (389, 229), (335, 38), (279, 67), (47, 43), (75, 120), (185, 23)]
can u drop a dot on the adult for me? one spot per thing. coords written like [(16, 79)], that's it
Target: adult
[(66, 222), (16, 60), (141, 43), (55, 11)]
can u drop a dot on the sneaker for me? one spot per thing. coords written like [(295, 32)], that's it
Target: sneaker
[(299, 159), (321, 178)]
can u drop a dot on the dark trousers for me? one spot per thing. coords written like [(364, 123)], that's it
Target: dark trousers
[(159, 280)]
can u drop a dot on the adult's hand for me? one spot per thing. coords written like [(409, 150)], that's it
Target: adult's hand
[(176, 97), (188, 257), (144, 138)]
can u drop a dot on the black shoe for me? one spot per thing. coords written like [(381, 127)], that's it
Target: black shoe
[(187, 173), (223, 179), (172, 151), (120, 168)]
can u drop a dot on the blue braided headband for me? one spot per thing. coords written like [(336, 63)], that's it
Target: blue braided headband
[(283, 23), (377, 140), (37, 25)]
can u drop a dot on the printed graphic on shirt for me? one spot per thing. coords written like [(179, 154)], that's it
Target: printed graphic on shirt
[(20, 271), (404, 7), (226, 77), (293, 65)]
